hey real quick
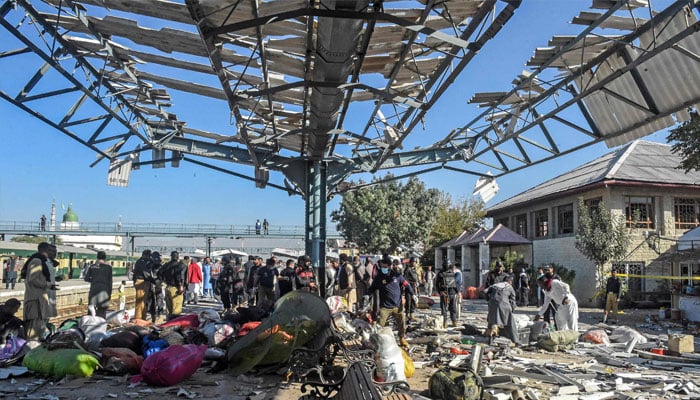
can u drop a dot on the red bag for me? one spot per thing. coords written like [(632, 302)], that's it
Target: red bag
[(184, 321), (172, 365)]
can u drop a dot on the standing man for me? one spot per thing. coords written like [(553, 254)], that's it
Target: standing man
[(347, 286), (287, 278), (251, 270), (540, 293), (266, 284), (362, 277), (40, 292), (266, 226), (429, 280), (457, 269), (100, 278), (11, 272), (194, 279), (389, 283), (446, 283), (411, 275), (331, 276), (206, 278), (43, 222), (524, 296), (215, 273), (155, 282), (142, 286), (257, 227), (174, 275), (305, 278), (230, 284), (612, 288)]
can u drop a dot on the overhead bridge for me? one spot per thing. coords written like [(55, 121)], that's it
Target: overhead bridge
[(159, 230)]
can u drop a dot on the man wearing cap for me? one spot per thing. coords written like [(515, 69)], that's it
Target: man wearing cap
[(448, 287), (389, 283), (100, 278), (305, 279), (40, 292), (174, 275)]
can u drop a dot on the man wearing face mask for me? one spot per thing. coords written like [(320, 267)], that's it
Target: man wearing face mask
[(389, 283)]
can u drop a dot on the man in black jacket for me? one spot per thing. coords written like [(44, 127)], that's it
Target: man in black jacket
[(141, 285), (389, 283), (174, 274)]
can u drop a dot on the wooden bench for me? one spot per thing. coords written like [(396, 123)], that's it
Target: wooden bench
[(356, 383)]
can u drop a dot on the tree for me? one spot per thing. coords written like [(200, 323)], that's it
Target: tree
[(453, 218), (33, 239), (388, 215), (601, 237), (686, 144)]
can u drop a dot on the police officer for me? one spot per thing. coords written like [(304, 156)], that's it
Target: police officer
[(447, 286), (174, 275)]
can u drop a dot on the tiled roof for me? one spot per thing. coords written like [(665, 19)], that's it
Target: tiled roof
[(639, 161)]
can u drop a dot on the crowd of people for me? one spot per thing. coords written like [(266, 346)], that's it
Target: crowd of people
[(378, 289)]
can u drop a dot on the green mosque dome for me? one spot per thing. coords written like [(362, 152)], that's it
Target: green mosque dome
[(70, 215)]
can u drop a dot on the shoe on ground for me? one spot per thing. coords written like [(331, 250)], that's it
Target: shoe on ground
[(403, 343)]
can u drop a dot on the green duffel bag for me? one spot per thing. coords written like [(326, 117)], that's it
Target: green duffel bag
[(451, 384), (558, 340)]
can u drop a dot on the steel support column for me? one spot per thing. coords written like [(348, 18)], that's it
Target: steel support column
[(316, 219)]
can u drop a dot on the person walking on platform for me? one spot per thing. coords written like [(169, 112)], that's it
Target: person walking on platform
[(174, 274), (142, 286), (40, 292), (100, 278)]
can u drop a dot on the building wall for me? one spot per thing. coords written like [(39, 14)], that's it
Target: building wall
[(560, 248)]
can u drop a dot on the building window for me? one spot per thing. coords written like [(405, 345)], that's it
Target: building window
[(521, 225), (592, 205), (639, 212), (686, 213), (565, 219), (503, 221), (541, 221)]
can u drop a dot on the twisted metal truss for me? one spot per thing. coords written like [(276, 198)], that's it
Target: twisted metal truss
[(294, 74)]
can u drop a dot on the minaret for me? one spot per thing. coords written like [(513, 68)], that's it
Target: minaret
[(52, 224)]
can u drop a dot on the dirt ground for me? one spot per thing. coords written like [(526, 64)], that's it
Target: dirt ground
[(203, 385)]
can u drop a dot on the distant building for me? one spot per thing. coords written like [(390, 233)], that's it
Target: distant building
[(639, 181), (98, 242)]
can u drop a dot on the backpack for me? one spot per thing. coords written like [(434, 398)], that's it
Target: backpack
[(450, 384)]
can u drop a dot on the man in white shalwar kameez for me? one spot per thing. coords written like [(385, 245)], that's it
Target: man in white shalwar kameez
[(559, 292)]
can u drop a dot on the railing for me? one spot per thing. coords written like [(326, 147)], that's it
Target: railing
[(140, 229)]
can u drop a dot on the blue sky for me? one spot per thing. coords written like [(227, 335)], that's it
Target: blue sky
[(40, 164)]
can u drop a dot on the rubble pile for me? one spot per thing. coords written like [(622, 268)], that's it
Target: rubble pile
[(248, 351)]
